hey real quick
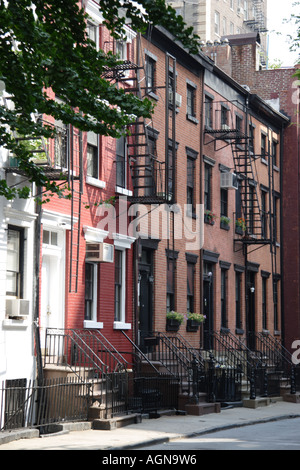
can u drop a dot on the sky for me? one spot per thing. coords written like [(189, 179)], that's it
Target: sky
[(278, 10)]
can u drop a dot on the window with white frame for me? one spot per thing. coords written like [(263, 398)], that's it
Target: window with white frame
[(15, 262), (92, 155), (121, 243), (119, 285), (90, 313)]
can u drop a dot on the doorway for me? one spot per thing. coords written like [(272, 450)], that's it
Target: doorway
[(251, 310), (52, 283), (145, 295), (208, 308)]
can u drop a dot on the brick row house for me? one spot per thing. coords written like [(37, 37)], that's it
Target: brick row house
[(182, 215)]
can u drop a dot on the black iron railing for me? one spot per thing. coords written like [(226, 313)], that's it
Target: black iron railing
[(41, 404)]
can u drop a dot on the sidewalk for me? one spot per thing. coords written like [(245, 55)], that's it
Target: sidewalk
[(80, 436)]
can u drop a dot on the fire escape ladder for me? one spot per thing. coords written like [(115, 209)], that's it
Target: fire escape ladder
[(244, 164)]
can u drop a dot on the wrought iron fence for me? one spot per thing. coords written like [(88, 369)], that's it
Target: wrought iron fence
[(31, 404), (151, 393)]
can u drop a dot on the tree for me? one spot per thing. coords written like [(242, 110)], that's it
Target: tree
[(44, 46)]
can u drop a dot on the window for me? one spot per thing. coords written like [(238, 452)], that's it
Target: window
[(263, 147), (239, 125), (90, 312), (208, 113), (238, 320), (92, 154), (191, 101), (190, 182), (217, 22), (223, 298), (275, 218), (224, 26), (251, 138), (50, 238), (121, 162), (170, 171), (170, 283), (150, 74), (92, 30), (207, 187), (224, 203), (15, 262), (251, 209), (224, 117), (121, 50), (190, 287), (275, 297), (238, 201), (274, 152), (119, 285), (264, 302), (264, 213)]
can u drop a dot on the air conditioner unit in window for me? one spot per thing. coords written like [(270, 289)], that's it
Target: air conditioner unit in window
[(17, 307), (229, 180), (178, 99), (225, 127), (99, 252)]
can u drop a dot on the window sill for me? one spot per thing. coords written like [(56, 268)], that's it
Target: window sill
[(92, 324), (125, 192), (120, 325), (95, 182), (152, 95), (17, 324), (192, 119)]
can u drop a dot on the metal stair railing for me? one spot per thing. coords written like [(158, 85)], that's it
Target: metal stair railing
[(98, 343), (277, 357), (64, 348), (231, 351), (139, 356), (189, 351)]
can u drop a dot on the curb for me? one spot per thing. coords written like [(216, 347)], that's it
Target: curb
[(163, 440)]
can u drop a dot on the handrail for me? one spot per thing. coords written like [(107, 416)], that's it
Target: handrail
[(191, 351), (64, 345), (115, 360), (140, 353), (174, 354), (274, 351)]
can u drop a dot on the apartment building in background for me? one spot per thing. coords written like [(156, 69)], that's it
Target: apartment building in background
[(280, 89), (214, 20)]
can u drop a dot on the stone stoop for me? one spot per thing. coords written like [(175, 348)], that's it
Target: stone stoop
[(110, 424), (198, 407)]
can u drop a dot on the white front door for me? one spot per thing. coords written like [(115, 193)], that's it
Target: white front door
[(52, 282)]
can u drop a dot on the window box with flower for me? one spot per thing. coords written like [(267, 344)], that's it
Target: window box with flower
[(194, 320), (209, 217), (224, 222), (240, 226), (174, 320)]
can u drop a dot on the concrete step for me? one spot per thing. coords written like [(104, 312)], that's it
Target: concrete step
[(199, 409), (116, 422)]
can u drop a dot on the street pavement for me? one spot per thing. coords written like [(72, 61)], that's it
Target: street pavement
[(80, 436)]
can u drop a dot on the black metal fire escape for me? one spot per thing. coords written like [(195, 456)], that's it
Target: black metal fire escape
[(151, 176)]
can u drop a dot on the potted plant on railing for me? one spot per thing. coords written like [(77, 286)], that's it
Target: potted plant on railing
[(194, 320), (240, 225), (174, 320), (209, 217), (224, 222)]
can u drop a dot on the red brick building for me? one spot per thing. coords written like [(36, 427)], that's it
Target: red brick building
[(280, 89)]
